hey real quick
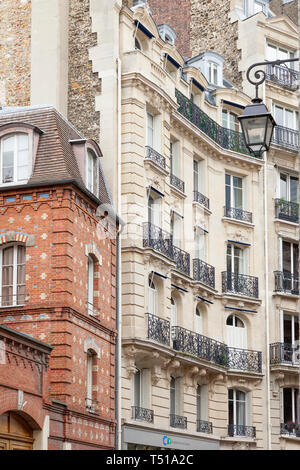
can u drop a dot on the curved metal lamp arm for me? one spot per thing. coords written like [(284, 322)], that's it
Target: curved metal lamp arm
[(261, 75)]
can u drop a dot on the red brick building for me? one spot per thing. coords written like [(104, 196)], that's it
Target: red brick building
[(57, 286)]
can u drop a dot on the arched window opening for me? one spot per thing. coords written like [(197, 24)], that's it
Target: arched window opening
[(236, 332), (91, 381), (12, 275)]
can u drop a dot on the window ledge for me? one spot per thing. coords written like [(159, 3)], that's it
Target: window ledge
[(238, 222), (201, 206)]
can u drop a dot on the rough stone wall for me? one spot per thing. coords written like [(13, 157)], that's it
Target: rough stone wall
[(211, 30), (289, 9), (84, 85), (15, 34)]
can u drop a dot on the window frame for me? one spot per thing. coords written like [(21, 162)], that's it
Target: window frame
[(15, 283), (14, 134)]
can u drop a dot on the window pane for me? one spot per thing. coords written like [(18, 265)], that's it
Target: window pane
[(287, 329), (8, 160), (287, 405), (286, 257), (283, 186)]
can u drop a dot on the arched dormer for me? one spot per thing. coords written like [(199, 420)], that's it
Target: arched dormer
[(167, 33), (211, 65)]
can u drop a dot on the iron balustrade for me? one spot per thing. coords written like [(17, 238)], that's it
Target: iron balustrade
[(286, 282), (239, 284), (238, 214), (200, 346), (243, 359), (241, 430), (198, 197), (155, 157), (285, 137), (204, 426), (287, 210), (158, 329), (157, 239), (178, 421), (283, 76), (204, 273), (284, 353), (177, 183), (290, 428), (142, 414), (91, 405), (226, 138), (182, 260)]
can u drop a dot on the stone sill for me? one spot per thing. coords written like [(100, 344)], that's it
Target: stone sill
[(288, 222), (200, 206), (156, 166), (238, 222)]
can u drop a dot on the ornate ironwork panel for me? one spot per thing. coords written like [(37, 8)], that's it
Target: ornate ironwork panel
[(241, 430), (142, 414), (155, 157), (284, 353), (287, 210), (178, 421), (158, 329), (243, 359), (200, 346), (286, 282), (226, 138), (240, 284), (204, 273), (283, 76), (182, 260), (198, 197), (285, 137), (155, 238), (177, 183), (290, 428), (204, 426), (238, 214)]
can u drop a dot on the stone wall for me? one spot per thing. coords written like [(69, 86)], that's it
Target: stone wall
[(290, 9), (15, 34), (84, 85)]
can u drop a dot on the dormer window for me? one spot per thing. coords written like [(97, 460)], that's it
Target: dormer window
[(167, 33), (213, 73), (14, 158), (91, 171), (251, 7)]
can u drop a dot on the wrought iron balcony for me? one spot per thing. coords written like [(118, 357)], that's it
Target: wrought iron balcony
[(284, 353), (200, 346), (155, 157), (182, 260), (92, 405), (287, 210), (285, 137), (283, 76), (198, 197), (158, 329), (241, 430), (290, 428), (177, 183), (240, 284), (155, 238), (142, 414), (204, 273), (178, 421), (286, 282), (204, 426), (226, 138), (238, 214), (243, 359)]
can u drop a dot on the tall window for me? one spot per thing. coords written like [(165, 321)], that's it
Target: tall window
[(236, 411), (234, 194), (289, 265), (91, 172), (236, 259), (236, 332), (152, 297), (290, 337), (12, 275), (91, 270), (175, 158), (288, 187), (229, 121), (213, 73), (154, 210), (198, 403), (285, 117), (175, 396), (279, 53), (200, 244), (90, 380), (174, 320), (289, 405), (198, 321), (142, 388), (14, 158), (176, 227), (150, 130)]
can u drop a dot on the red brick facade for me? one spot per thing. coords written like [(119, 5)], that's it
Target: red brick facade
[(59, 228)]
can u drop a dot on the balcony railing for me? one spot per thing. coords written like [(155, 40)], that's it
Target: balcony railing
[(238, 214), (240, 284), (241, 430), (142, 414), (243, 359), (287, 210), (286, 282), (155, 157), (204, 426), (200, 346), (285, 137), (92, 405), (284, 353), (226, 138), (290, 428), (198, 197), (158, 329), (155, 238), (283, 76), (177, 183), (182, 260), (178, 421), (204, 273)]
